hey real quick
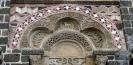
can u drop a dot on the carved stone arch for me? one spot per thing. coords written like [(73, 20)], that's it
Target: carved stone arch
[(37, 36), (68, 35), (44, 13), (79, 18), (34, 27), (98, 29), (98, 37)]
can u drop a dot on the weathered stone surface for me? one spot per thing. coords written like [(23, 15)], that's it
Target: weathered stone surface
[(126, 17), (7, 18), (32, 51), (125, 3), (120, 26), (105, 52), (123, 55), (111, 57), (128, 31), (8, 3), (5, 32), (37, 52), (4, 25), (16, 51), (129, 40), (113, 63), (11, 57), (127, 23), (3, 48), (124, 10), (4, 11), (1, 18), (3, 40), (25, 58), (68, 1), (21, 64), (118, 62), (131, 10)]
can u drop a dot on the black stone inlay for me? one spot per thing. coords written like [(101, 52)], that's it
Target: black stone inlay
[(120, 26), (11, 57)]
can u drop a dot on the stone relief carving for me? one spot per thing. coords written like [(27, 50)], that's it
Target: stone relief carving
[(36, 60), (66, 61), (67, 35), (37, 36), (67, 22), (101, 60), (95, 35)]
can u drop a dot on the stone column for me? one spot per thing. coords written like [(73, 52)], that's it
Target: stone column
[(101, 60)]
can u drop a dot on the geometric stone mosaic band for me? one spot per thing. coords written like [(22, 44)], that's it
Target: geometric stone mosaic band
[(65, 8)]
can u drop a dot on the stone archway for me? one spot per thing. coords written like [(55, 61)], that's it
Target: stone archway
[(66, 27), (66, 47), (44, 13)]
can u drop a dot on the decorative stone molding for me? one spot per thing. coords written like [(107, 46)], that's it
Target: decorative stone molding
[(15, 42), (96, 2), (68, 35)]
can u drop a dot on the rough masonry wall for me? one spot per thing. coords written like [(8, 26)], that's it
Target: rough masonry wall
[(126, 7), (4, 19)]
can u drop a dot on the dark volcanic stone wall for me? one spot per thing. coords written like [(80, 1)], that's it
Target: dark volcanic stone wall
[(4, 19), (126, 7)]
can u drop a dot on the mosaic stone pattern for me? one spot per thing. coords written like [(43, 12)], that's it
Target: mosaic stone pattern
[(121, 16)]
